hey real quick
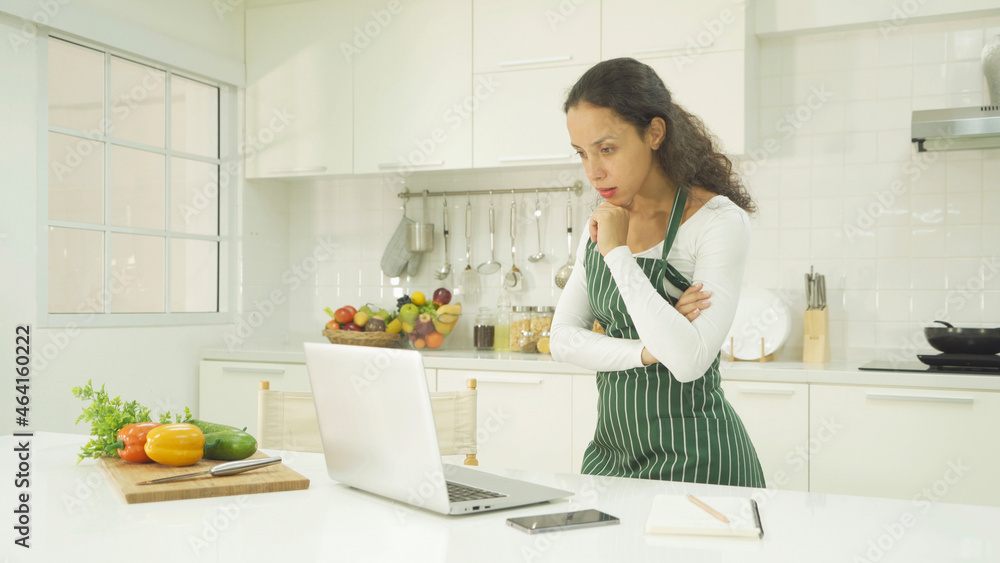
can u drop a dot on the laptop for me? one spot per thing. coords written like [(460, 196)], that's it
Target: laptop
[(377, 427)]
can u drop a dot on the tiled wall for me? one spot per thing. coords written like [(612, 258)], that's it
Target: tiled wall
[(903, 238)]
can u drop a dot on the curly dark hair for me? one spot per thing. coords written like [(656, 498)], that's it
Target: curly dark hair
[(689, 154)]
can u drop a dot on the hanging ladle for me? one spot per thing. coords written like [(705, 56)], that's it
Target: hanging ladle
[(445, 268), (491, 266), (513, 277), (538, 227), (562, 276)]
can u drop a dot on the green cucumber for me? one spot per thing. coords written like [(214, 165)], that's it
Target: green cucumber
[(211, 427), (229, 445)]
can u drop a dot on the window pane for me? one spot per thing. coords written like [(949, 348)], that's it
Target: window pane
[(138, 182), (137, 273), (194, 117), (138, 112), (76, 179), (194, 275), (76, 271), (194, 197), (76, 87)]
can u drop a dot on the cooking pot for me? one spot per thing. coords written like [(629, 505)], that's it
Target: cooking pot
[(956, 340)]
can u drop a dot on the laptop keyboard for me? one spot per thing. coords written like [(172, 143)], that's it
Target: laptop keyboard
[(458, 492)]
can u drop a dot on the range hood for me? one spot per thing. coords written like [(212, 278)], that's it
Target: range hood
[(956, 129)]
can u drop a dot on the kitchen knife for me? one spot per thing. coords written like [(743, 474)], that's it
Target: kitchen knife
[(808, 293), (221, 470)]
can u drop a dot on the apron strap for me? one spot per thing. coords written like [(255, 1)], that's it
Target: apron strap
[(673, 224)]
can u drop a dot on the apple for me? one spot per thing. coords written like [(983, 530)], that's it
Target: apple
[(408, 313), (425, 324), (442, 296), (343, 315), (352, 326)]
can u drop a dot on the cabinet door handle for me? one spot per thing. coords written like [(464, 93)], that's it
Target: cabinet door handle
[(385, 165), (299, 170), (920, 399), (504, 159), (511, 379), (783, 392), (277, 371), (674, 48), (522, 62)]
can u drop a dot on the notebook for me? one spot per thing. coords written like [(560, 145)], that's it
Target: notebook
[(678, 515), (377, 427)]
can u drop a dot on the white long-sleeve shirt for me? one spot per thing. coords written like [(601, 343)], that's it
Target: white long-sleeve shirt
[(710, 247)]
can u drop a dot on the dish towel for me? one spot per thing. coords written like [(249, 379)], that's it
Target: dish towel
[(396, 259)]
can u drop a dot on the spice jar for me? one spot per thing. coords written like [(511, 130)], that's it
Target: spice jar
[(485, 330), (520, 324)]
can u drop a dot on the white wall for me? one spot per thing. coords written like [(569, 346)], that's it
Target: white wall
[(156, 366)]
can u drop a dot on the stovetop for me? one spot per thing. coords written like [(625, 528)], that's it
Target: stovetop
[(977, 364)]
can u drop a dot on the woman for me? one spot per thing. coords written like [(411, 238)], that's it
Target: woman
[(673, 213)]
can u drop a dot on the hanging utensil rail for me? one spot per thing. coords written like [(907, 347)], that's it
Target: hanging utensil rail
[(576, 188)]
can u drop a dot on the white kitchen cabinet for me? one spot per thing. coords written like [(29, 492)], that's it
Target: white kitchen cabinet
[(655, 28), (705, 53), (299, 90), (228, 390), (522, 122), (520, 34), (715, 88), (927, 445), (413, 92), (524, 418), (776, 415), (585, 398)]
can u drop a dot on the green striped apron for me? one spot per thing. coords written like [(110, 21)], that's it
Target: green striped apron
[(649, 425)]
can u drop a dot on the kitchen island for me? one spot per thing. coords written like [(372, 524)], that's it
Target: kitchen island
[(76, 514)]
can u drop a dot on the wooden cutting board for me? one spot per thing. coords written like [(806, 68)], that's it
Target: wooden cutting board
[(268, 479)]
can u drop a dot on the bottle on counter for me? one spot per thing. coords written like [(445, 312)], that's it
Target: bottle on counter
[(483, 334), (501, 330)]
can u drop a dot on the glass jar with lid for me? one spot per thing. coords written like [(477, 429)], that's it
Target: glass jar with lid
[(544, 346), (485, 330), (520, 326), (541, 320)]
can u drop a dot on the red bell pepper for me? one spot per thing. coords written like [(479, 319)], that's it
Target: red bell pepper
[(132, 441)]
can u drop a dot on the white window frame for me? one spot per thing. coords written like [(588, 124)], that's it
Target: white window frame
[(230, 177)]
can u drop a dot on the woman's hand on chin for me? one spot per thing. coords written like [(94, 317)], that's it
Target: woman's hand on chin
[(609, 227)]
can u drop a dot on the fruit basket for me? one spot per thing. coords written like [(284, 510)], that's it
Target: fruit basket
[(427, 324), (377, 339)]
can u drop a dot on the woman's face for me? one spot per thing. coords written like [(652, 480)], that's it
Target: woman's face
[(619, 162)]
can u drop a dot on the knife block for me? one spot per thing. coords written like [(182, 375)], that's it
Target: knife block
[(816, 336)]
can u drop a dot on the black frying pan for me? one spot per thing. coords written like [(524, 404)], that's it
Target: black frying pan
[(955, 340)]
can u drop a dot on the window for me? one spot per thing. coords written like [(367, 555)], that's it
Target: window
[(135, 214)]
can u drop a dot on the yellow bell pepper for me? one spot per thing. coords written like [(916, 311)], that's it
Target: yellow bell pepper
[(175, 444)]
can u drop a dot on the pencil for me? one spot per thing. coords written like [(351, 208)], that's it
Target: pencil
[(718, 515)]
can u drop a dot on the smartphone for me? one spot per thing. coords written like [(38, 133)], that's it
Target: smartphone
[(562, 521)]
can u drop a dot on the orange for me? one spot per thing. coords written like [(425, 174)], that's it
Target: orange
[(435, 340), (419, 343)]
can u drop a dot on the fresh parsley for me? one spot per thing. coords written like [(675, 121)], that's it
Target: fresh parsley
[(107, 416)]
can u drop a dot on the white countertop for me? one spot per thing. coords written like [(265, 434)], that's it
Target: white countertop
[(838, 372), (77, 515)]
